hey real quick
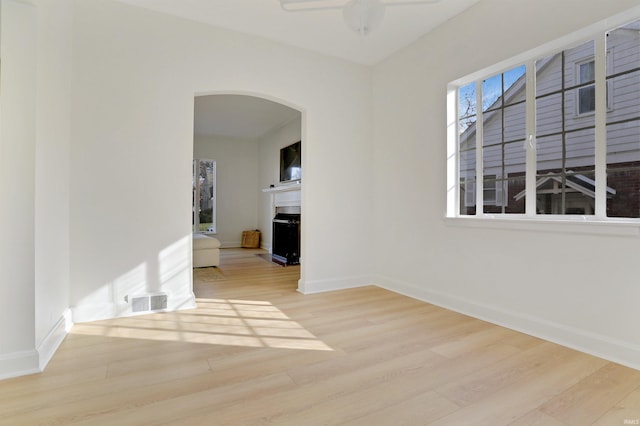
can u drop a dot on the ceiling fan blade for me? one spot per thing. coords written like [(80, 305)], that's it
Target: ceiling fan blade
[(308, 5), (408, 2)]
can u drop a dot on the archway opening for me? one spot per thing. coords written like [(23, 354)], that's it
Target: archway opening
[(241, 177)]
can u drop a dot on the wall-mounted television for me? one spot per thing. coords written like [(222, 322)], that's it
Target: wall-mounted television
[(291, 162)]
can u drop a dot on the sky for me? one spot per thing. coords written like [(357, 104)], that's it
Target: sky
[(491, 90)]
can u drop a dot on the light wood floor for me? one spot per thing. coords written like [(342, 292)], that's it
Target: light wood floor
[(256, 352)]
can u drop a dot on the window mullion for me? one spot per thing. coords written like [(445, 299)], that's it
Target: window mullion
[(601, 127), (530, 142), (214, 195), (453, 154), (503, 173), (479, 153)]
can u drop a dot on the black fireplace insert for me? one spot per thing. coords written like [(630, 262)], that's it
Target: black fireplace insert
[(286, 239)]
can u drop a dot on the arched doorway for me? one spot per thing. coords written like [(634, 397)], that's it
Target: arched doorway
[(243, 135)]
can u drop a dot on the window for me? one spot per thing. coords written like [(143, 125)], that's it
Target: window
[(503, 133), (623, 121), (529, 139), (467, 148), (204, 196), (490, 190), (565, 141), (586, 94), (498, 138)]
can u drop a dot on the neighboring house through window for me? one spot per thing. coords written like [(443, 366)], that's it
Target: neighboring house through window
[(530, 142), (204, 196)]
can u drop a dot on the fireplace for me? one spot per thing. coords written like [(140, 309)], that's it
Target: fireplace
[(286, 236)]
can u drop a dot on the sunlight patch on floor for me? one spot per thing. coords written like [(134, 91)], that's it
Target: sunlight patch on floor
[(248, 323)]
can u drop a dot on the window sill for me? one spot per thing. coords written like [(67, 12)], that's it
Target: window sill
[(556, 224)]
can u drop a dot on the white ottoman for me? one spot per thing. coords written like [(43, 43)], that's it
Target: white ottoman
[(206, 251)]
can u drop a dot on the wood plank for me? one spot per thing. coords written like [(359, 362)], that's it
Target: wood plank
[(592, 397), (255, 351), (537, 418), (627, 411), (504, 405)]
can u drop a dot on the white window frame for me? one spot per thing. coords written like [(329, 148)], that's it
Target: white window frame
[(597, 223)]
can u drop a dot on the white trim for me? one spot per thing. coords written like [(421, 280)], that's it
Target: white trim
[(110, 310), (289, 186), (321, 286), (97, 312), (19, 363), (530, 141), (54, 339), (575, 338), (453, 159), (588, 225), (601, 127), (479, 149)]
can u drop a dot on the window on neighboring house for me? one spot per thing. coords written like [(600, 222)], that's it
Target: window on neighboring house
[(532, 147), (489, 190), (204, 196), (586, 94)]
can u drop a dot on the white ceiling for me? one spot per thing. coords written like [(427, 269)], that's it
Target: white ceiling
[(239, 117), (321, 31)]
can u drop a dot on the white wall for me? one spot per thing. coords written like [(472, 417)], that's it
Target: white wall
[(236, 184), (578, 289), (34, 186), (269, 168), (135, 76), (53, 133), (17, 188)]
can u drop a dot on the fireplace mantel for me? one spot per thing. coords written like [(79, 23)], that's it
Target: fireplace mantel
[(285, 195), (283, 188)]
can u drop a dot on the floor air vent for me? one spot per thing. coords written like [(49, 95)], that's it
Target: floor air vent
[(145, 303)]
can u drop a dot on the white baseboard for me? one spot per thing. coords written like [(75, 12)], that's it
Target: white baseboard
[(582, 340), (97, 312), (230, 244), (52, 342), (19, 363), (321, 286), (88, 313), (34, 361)]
